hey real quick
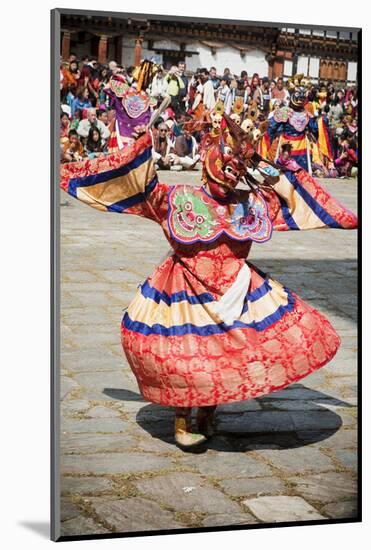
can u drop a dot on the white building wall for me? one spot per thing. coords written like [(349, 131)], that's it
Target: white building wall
[(314, 67), (352, 71), (287, 67), (302, 64), (331, 34), (253, 62)]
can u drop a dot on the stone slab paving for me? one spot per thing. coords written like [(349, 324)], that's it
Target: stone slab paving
[(291, 455), (275, 509)]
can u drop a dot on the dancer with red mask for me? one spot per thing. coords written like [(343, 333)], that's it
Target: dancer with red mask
[(208, 327)]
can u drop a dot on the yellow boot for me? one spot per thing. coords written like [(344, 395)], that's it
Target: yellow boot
[(184, 436), (205, 420)]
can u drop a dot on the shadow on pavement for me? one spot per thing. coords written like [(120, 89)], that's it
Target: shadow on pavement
[(289, 418), (327, 284)]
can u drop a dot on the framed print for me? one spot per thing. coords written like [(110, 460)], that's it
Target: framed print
[(204, 214)]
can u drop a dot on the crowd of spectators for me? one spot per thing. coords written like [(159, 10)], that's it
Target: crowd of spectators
[(87, 117)]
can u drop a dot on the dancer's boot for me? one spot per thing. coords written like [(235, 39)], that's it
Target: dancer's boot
[(205, 420), (184, 436)]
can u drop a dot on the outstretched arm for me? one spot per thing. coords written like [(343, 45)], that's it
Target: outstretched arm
[(297, 201), (119, 182)]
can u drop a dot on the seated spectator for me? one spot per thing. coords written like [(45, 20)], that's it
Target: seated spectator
[(184, 152), (65, 127), (81, 100), (95, 146), (161, 147), (71, 94), (76, 119), (286, 161), (346, 159), (72, 150), (92, 121), (102, 115)]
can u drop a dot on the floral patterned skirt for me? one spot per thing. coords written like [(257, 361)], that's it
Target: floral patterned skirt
[(183, 355)]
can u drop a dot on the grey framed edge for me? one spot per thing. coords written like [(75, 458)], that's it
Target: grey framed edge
[(55, 28)]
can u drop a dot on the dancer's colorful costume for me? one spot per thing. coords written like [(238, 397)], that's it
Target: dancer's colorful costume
[(208, 327), (292, 124)]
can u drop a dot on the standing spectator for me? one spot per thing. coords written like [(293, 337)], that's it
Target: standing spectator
[(75, 71), (336, 112), (159, 86), (68, 78), (325, 115), (280, 92), (340, 94), (351, 102), (214, 79), (92, 121), (262, 96), (227, 73), (330, 92), (87, 69), (112, 67), (244, 77), (88, 77), (103, 79), (224, 94), (81, 100), (254, 85), (175, 85), (183, 91), (208, 94), (242, 91)]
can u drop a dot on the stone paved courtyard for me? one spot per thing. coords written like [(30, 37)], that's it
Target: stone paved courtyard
[(288, 456)]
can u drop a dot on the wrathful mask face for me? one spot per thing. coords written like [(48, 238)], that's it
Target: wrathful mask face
[(297, 99), (223, 166)]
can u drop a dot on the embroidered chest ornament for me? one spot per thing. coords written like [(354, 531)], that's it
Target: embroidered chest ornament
[(299, 120), (194, 216), (206, 213)]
